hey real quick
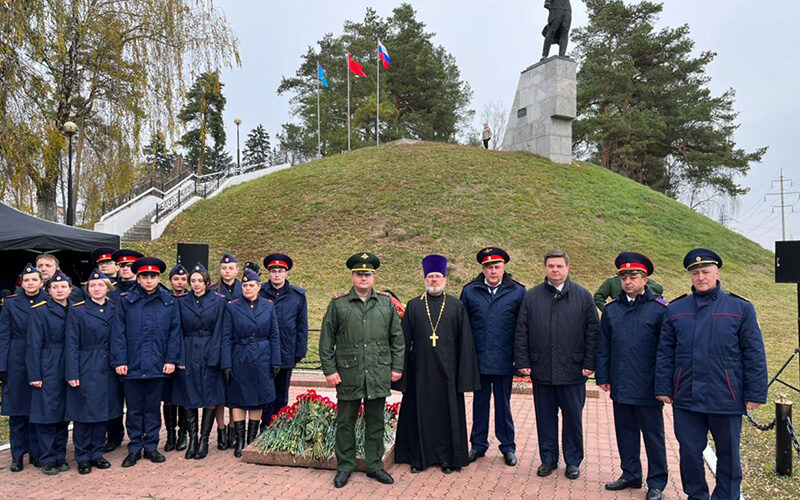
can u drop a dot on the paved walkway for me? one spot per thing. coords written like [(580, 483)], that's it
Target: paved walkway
[(222, 475)]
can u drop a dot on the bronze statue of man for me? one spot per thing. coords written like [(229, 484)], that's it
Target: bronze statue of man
[(557, 28)]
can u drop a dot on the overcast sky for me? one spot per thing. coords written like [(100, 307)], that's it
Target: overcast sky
[(757, 55)]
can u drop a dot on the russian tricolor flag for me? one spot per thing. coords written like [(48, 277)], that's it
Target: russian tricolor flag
[(383, 55)]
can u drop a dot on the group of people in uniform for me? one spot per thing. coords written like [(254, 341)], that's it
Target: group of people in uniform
[(70, 354), (702, 353)]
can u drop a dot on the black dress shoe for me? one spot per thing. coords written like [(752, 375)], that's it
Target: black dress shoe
[(449, 469), (416, 470), (510, 458), (62, 465), (341, 478), (84, 467), (475, 454), (101, 463), (572, 472), (109, 447), (545, 470), (381, 476), (50, 469), (131, 459), (154, 456), (654, 494), (17, 464), (621, 484), (34, 460)]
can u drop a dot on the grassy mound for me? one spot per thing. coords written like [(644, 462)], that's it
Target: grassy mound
[(405, 201)]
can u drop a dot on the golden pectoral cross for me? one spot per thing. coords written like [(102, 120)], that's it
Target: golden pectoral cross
[(433, 338)]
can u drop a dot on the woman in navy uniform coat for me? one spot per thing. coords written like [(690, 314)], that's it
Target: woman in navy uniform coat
[(44, 360), (252, 348), (199, 381), (16, 391), (145, 347), (173, 414), (94, 395)]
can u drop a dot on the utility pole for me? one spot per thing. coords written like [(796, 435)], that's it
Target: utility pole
[(783, 205)]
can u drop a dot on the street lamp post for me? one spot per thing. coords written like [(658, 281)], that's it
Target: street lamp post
[(70, 128), (238, 121)]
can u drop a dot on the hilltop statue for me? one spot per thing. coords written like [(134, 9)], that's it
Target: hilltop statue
[(556, 31)]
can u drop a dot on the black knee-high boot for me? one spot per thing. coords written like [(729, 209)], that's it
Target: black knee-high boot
[(183, 431), (252, 430), (232, 437), (238, 428), (191, 423), (170, 421), (205, 432), (222, 437)]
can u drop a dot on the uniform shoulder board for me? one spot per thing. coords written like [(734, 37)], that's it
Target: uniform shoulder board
[(678, 298), (610, 301), (219, 295), (233, 301), (662, 301), (76, 304), (738, 296), (386, 294), (340, 295), (518, 283), (39, 304), (298, 289), (123, 294), (110, 300), (11, 296)]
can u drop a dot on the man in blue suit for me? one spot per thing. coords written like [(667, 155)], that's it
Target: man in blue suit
[(711, 367), (492, 301), (145, 347), (292, 309), (626, 365)]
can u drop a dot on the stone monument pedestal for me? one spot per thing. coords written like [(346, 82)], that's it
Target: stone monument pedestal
[(544, 107)]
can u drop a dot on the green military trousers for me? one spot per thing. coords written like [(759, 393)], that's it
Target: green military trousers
[(346, 434)]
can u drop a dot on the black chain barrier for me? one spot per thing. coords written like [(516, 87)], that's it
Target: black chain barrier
[(792, 433), (765, 427)]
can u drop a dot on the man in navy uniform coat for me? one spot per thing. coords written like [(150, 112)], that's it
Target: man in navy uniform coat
[(145, 347), (711, 367), (492, 301), (292, 309), (626, 361)]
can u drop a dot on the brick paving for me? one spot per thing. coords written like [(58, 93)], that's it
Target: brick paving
[(222, 475)]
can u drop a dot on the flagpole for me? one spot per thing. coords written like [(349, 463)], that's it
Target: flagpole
[(348, 101), (378, 100), (319, 137)]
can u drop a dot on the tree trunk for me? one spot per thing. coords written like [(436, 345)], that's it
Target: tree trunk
[(76, 173), (46, 199)]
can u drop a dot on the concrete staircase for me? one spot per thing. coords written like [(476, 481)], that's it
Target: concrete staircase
[(140, 231)]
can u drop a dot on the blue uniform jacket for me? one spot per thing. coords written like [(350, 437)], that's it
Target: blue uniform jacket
[(234, 292), (44, 359), (251, 345), (88, 358), (711, 354), (13, 340), (146, 333), (200, 383), (493, 319), (627, 346), (292, 308)]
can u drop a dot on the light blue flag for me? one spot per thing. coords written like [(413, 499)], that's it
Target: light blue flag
[(321, 75)]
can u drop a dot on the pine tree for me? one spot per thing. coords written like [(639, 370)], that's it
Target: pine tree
[(257, 148), (203, 112), (644, 106), (157, 156)]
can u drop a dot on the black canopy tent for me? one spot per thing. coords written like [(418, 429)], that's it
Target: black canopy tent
[(23, 237)]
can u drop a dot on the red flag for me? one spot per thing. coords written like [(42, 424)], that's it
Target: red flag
[(354, 66)]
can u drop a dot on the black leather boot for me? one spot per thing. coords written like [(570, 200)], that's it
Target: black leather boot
[(238, 428), (191, 423), (170, 421), (252, 430), (205, 432), (232, 436), (183, 431), (222, 438)]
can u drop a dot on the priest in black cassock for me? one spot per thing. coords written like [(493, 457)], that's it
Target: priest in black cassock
[(441, 366)]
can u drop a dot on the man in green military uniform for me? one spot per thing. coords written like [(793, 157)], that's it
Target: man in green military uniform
[(612, 287), (361, 347)]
